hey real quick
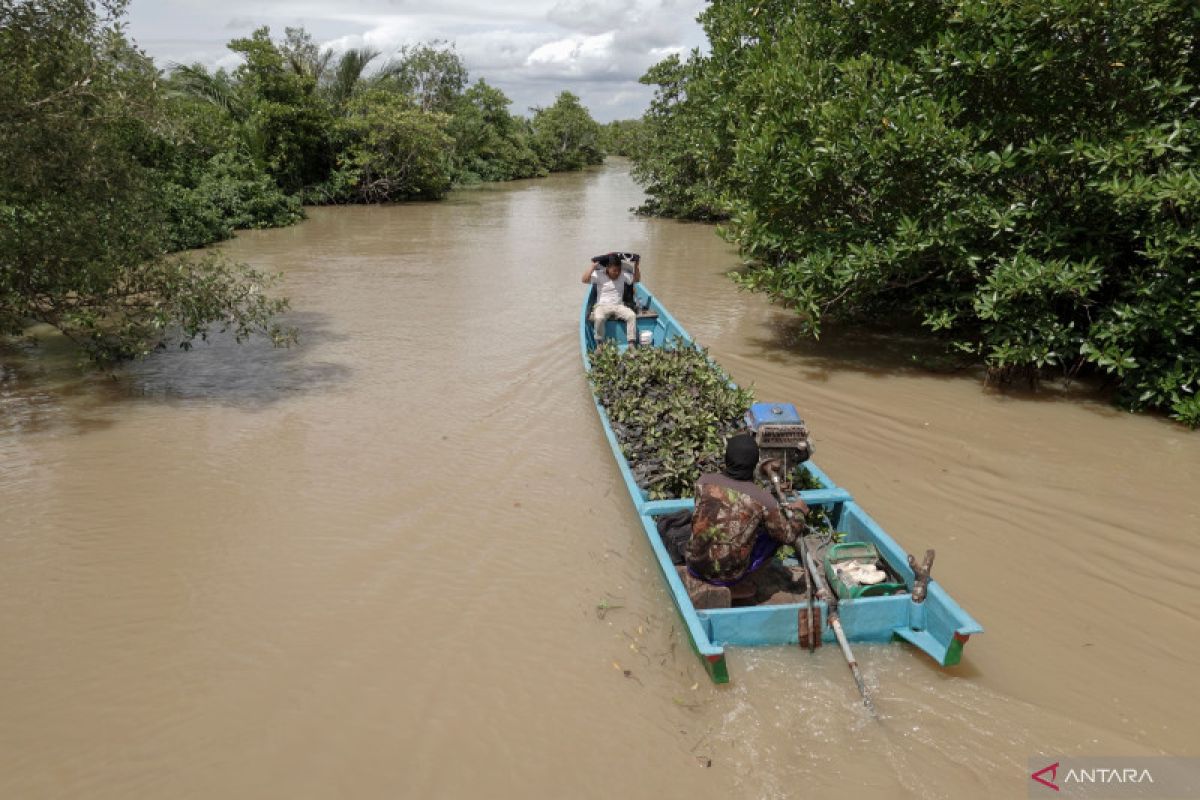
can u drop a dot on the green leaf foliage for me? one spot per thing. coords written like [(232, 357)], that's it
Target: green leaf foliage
[(490, 143), (87, 144), (685, 147), (109, 166), (393, 150), (671, 410), (1021, 177), (622, 137), (565, 136), (431, 73), (289, 125), (228, 192)]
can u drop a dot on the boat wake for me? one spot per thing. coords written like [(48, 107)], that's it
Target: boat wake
[(794, 724)]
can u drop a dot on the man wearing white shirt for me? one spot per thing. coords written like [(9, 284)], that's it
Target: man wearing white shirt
[(610, 286)]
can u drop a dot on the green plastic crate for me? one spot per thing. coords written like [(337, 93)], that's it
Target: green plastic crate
[(855, 551)]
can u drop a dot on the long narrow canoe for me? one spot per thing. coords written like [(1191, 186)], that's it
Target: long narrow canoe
[(938, 626)]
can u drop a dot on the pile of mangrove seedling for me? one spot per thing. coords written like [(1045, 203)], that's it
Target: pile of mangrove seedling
[(803, 480), (671, 411)]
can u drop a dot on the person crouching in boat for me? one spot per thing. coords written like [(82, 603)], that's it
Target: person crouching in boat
[(737, 525), (610, 286)]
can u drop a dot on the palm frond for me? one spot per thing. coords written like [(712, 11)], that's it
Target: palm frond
[(349, 71), (218, 88)]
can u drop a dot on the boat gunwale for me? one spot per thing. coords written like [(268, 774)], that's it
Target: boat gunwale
[(696, 629)]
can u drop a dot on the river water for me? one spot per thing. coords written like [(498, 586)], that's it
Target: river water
[(397, 560)]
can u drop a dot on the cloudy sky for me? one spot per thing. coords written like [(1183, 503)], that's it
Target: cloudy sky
[(532, 49)]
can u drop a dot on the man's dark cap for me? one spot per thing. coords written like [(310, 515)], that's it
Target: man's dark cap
[(741, 456)]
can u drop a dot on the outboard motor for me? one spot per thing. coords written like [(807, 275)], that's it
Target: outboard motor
[(782, 435)]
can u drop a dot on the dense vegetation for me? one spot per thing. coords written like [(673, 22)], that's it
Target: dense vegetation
[(87, 200), (110, 165), (671, 411), (1019, 177), (338, 130), (621, 137)]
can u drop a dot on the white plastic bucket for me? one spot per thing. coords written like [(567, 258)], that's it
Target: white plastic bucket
[(646, 337)]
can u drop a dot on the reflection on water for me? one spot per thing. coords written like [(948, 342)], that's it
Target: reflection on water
[(397, 560)]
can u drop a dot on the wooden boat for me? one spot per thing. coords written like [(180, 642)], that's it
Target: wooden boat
[(938, 626)]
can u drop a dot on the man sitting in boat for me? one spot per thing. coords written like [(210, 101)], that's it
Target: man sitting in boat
[(737, 525), (609, 277)]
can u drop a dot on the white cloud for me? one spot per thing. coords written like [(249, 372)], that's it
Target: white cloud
[(577, 56), (530, 49), (590, 17)]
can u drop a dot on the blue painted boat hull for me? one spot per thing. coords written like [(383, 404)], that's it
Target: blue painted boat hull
[(937, 626)]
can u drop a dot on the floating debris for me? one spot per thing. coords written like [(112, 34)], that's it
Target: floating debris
[(603, 607)]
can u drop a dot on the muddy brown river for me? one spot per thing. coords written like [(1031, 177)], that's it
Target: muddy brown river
[(398, 561)]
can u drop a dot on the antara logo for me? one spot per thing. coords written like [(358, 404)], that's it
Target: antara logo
[(1047, 776), (1053, 770)]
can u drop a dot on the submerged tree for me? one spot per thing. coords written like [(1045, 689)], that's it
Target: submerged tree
[(82, 230), (1019, 177), (108, 167)]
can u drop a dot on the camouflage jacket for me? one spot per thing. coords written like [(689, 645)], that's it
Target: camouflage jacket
[(729, 516)]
